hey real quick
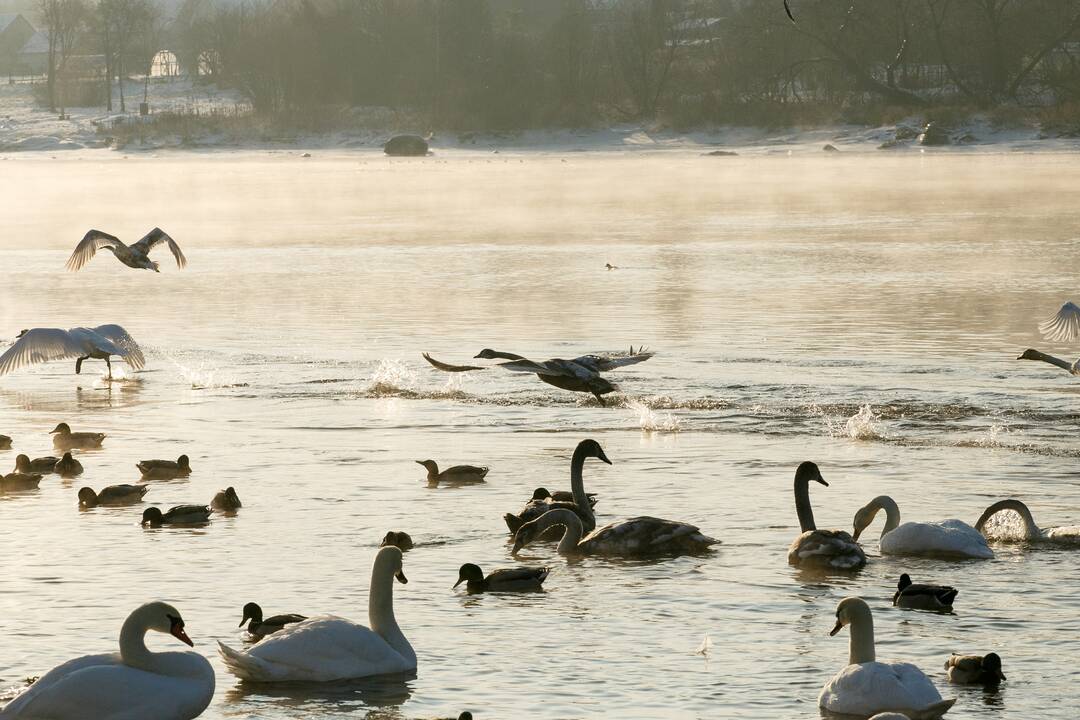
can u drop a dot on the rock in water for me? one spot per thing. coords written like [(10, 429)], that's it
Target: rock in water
[(406, 145)]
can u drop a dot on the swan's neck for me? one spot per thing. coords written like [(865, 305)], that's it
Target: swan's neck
[(568, 519), (802, 505), (133, 650), (1030, 527), (577, 483), (861, 646), (1037, 355), (381, 614), (892, 520)]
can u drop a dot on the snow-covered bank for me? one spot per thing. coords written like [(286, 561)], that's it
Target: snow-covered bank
[(187, 117)]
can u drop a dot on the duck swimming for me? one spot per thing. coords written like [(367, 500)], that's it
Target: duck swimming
[(923, 597), (582, 374), (975, 669), (46, 464), (226, 500), (834, 549), (134, 256), (19, 481), (165, 469), (64, 439), (5, 442), (112, 495), (260, 628), (177, 515), (518, 579), (456, 475), (100, 343), (68, 467)]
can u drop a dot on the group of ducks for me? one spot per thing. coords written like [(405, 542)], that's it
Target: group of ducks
[(867, 687)]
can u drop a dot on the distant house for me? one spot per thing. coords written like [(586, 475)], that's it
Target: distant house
[(15, 30), (33, 57)]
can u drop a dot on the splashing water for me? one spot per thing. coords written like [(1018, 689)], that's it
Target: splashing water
[(651, 421), (206, 377), (391, 377), (863, 425), (1005, 525)]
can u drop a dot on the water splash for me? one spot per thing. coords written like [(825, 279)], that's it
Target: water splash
[(863, 425), (651, 421), (207, 377), (391, 378), (1005, 525)]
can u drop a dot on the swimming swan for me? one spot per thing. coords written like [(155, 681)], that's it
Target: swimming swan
[(814, 547), (581, 505), (133, 683), (327, 648), (636, 537), (134, 256), (947, 538), (866, 687), (1066, 534), (582, 374), (44, 344)]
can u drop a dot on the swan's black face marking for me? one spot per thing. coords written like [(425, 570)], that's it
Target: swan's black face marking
[(176, 629)]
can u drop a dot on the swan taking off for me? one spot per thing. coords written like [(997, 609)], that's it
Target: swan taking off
[(866, 687), (582, 374), (44, 344), (1063, 326), (134, 256), (133, 683)]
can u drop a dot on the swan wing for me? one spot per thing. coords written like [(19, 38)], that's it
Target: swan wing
[(154, 238), (646, 536), (1062, 326), (600, 363), (1064, 534), (320, 650), (948, 538), (125, 345), (872, 687), (90, 244), (528, 366), (41, 345), (447, 367)]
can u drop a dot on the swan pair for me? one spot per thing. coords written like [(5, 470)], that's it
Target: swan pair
[(100, 343), (132, 684)]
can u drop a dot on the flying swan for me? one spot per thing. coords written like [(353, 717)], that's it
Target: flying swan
[(866, 687), (133, 683), (327, 648), (134, 256), (581, 374), (823, 548), (1063, 326), (947, 538), (44, 344)]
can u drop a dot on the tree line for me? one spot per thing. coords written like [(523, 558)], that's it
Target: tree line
[(507, 64)]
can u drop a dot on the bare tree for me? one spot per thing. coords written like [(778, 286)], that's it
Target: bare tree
[(64, 21), (121, 22), (645, 44)]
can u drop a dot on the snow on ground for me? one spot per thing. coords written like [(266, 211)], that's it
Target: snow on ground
[(26, 127)]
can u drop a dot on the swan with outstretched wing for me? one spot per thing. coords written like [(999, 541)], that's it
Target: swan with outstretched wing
[(1062, 326), (45, 344), (135, 256)]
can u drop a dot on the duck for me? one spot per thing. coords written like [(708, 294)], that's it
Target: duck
[(328, 648), (19, 481), (260, 628), (456, 475), (5, 442), (580, 504), (135, 256), (177, 515), (68, 467), (542, 493), (226, 500), (1064, 535), (975, 669), (581, 374), (519, 579), (947, 538), (867, 687), (112, 495), (132, 683), (637, 537), (165, 469), (43, 465), (401, 540), (923, 597), (64, 439), (40, 345), (833, 549)]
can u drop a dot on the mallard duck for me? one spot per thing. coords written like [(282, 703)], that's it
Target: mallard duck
[(43, 465), (44, 344), (923, 597), (582, 374), (259, 627), (19, 481), (636, 537), (833, 549), (64, 439), (519, 579), (68, 467), (112, 495), (226, 500), (946, 538), (165, 469), (581, 503), (178, 515), (541, 493), (975, 669), (401, 540), (5, 442), (134, 256), (457, 475), (1064, 535), (866, 687)]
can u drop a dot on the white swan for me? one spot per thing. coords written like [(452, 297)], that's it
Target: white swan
[(636, 537), (133, 684), (44, 344), (866, 687), (134, 256), (823, 548), (1066, 534), (322, 649), (947, 538), (1062, 326)]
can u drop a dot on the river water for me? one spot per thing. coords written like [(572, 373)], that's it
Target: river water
[(864, 312)]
